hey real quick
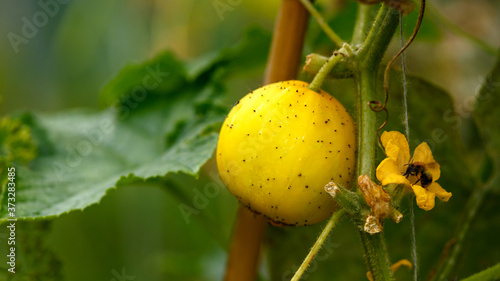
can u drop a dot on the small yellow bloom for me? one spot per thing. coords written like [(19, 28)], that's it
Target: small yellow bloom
[(420, 174)]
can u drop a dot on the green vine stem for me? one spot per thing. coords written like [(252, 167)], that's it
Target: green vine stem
[(334, 219), (363, 20), (324, 71), (314, 62), (472, 207), (368, 59), (374, 246), (379, 37), (375, 251), (322, 23), (367, 135)]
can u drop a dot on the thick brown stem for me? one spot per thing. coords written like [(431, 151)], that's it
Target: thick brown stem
[(284, 59), (245, 246), (288, 38)]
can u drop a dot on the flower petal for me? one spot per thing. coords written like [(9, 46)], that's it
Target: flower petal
[(425, 199), (396, 139), (423, 154), (393, 151), (439, 191), (388, 172)]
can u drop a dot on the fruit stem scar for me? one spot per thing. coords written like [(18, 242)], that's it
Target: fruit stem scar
[(332, 188)]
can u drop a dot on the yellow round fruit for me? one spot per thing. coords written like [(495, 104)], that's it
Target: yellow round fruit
[(280, 145)]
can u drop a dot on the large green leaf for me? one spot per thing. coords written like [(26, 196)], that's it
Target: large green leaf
[(487, 118), (83, 153), (162, 120)]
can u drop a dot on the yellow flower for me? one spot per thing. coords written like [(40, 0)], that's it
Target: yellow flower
[(420, 174)]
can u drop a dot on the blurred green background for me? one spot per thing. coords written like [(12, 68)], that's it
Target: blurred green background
[(139, 230), (85, 43)]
